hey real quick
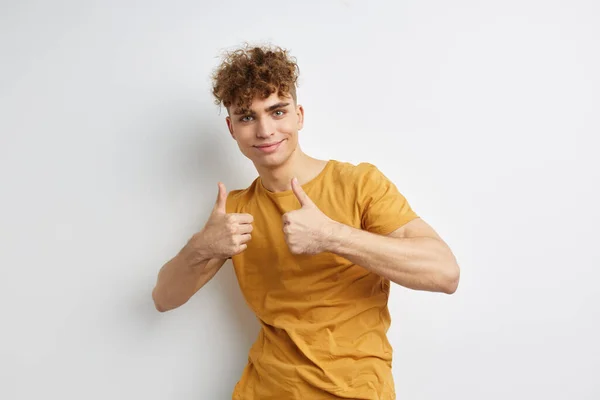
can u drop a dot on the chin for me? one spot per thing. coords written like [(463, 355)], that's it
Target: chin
[(271, 160)]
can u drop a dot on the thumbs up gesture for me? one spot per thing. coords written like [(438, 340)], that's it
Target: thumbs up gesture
[(306, 229), (225, 235)]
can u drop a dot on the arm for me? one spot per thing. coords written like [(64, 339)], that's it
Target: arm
[(180, 278), (413, 256), (223, 236)]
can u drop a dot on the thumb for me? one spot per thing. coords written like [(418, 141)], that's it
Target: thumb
[(300, 194), (221, 199)]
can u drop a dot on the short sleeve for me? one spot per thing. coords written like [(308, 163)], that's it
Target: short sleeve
[(383, 208)]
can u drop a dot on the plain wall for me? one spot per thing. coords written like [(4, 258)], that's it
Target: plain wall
[(485, 115)]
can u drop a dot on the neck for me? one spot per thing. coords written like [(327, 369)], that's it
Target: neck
[(299, 165)]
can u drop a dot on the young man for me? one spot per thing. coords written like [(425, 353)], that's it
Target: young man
[(314, 243)]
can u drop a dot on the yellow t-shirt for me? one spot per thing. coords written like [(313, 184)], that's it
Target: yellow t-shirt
[(323, 319)]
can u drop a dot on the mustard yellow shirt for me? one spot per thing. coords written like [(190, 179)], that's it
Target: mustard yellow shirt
[(323, 319)]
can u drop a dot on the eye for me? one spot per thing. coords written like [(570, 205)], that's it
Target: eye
[(246, 118), (279, 113)]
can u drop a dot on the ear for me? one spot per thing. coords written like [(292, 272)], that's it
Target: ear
[(300, 114), (230, 126)]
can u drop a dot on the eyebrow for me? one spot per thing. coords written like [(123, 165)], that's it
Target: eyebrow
[(245, 111)]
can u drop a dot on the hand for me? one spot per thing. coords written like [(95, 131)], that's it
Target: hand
[(306, 229), (225, 235)]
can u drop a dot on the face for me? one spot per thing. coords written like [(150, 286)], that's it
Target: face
[(267, 133)]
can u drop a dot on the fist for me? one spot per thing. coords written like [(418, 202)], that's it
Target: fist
[(306, 229), (225, 235)]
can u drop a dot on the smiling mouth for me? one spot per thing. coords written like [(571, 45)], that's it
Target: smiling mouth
[(269, 148), (266, 146)]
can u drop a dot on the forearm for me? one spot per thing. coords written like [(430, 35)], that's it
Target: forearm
[(420, 263), (178, 279)]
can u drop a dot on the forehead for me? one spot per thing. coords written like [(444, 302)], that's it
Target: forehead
[(260, 104)]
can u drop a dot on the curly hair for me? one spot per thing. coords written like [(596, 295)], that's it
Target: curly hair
[(248, 72)]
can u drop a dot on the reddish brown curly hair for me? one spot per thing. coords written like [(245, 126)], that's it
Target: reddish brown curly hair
[(252, 71)]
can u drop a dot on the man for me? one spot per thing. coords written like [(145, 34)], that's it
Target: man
[(314, 243)]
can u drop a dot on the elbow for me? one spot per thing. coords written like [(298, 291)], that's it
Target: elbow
[(450, 279), (160, 308), (450, 287), (159, 303)]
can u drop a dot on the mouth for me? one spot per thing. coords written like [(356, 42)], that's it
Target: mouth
[(269, 147)]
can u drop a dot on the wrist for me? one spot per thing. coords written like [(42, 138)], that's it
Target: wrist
[(336, 234), (197, 249)]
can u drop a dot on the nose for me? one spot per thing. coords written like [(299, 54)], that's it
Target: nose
[(264, 128)]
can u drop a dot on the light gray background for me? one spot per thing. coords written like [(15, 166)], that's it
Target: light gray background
[(485, 114)]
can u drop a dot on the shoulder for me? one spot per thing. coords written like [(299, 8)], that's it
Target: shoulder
[(352, 170), (237, 197), (357, 175)]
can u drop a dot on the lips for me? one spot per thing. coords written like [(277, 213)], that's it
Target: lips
[(269, 147), (262, 146)]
